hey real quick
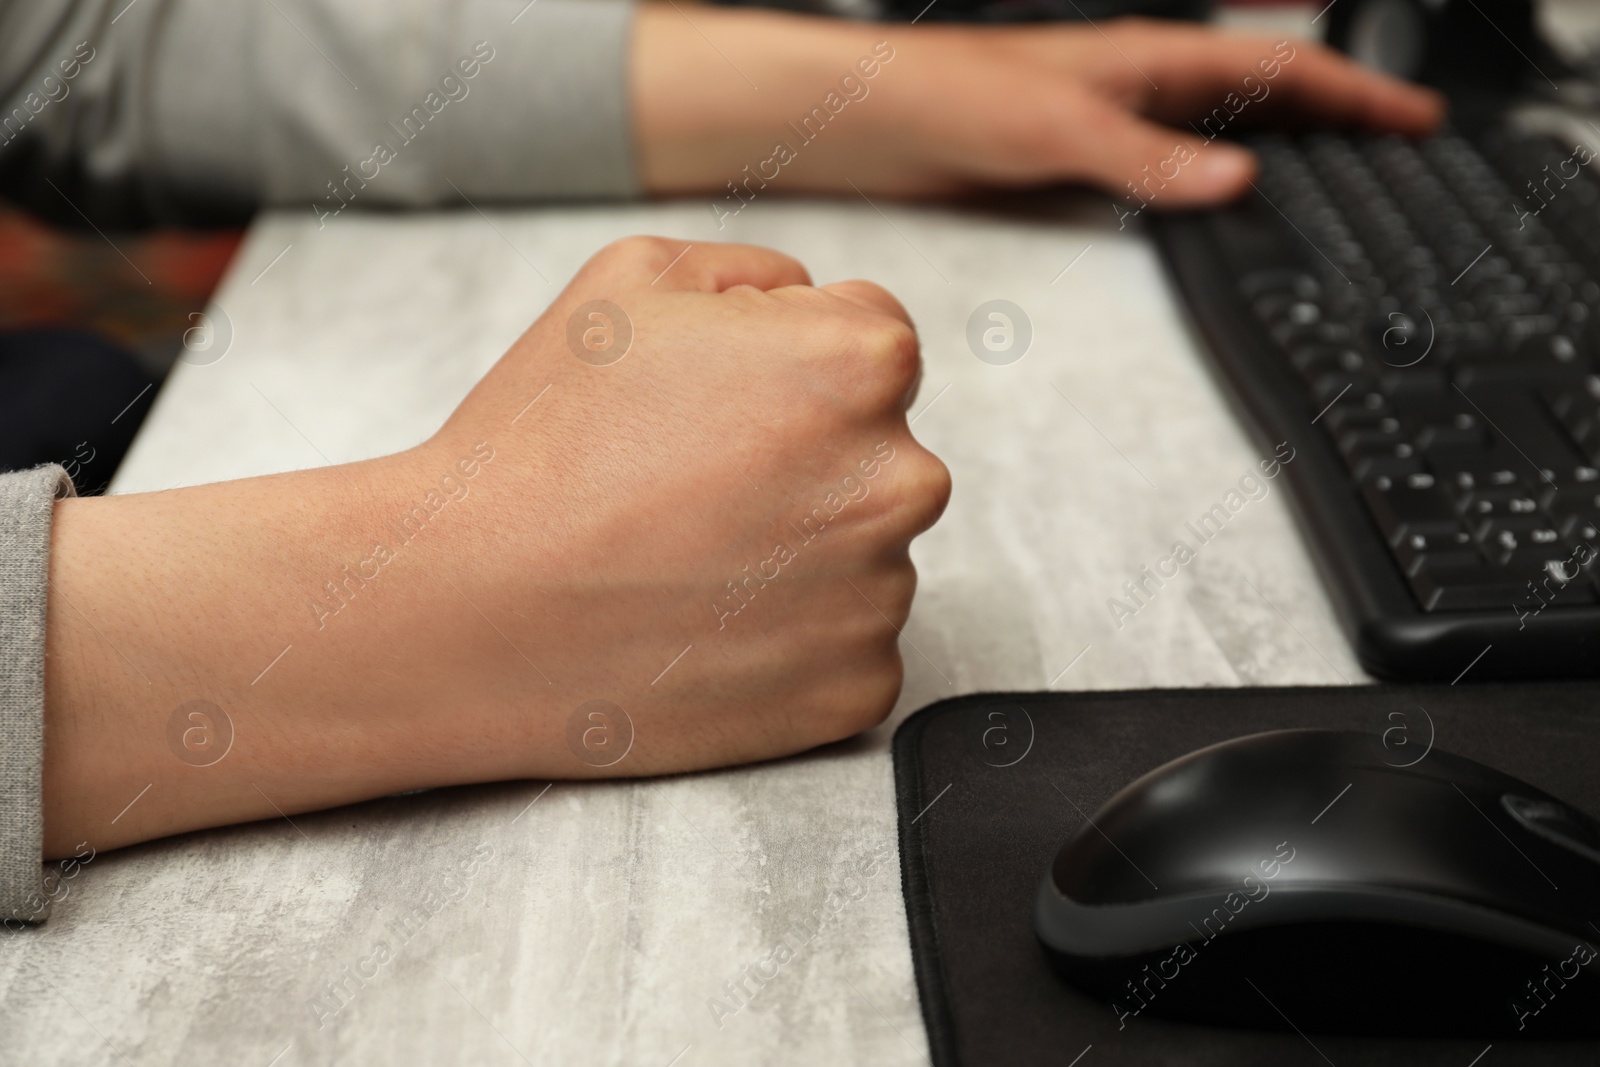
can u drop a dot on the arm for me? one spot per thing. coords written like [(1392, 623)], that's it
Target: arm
[(189, 108), (941, 109), (448, 614)]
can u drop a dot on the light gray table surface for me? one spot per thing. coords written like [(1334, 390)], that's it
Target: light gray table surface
[(607, 916)]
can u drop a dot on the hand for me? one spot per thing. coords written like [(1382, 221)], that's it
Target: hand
[(952, 108), (710, 533)]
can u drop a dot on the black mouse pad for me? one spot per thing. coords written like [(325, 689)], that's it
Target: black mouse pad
[(989, 786)]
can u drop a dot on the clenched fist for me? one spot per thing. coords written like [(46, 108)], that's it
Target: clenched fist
[(740, 482), (669, 530)]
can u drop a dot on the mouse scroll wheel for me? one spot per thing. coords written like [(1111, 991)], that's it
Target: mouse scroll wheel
[(1556, 822)]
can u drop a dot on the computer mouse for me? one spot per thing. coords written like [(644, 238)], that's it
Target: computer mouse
[(1301, 880)]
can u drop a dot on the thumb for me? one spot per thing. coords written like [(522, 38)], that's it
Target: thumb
[(1138, 160)]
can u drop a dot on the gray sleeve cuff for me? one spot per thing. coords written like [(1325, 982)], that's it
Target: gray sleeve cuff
[(26, 509)]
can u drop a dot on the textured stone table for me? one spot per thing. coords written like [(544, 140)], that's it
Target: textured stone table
[(602, 921)]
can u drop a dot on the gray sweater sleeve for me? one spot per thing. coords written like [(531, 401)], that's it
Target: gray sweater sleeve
[(27, 503), (128, 111)]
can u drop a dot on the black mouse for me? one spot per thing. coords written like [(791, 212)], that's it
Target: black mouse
[(1300, 880)]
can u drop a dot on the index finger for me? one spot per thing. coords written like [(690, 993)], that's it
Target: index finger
[(871, 296)]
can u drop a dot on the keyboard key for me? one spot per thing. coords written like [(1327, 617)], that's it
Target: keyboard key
[(1299, 328), (1465, 470), (1582, 526), (1327, 388), (1385, 468), (1576, 473), (1400, 338), (1442, 407), (1462, 431), (1553, 577), (1524, 587), (1502, 370), (1403, 509), (1578, 412), (1292, 282), (1506, 539), (1376, 442), (1467, 341), (1461, 588), (1452, 549), (1421, 382), (1549, 348), (1572, 498), (1315, 361), (1494, 502), (1357, 416), (1524, 424), (1580, 564)]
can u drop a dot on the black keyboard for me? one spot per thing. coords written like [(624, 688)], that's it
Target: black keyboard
[(1422, 324)]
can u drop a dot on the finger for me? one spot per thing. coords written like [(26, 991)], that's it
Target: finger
[(1214, 76), (713, 268), (886, 337), (915, 388), (870, 296), (1144, 163), (923, 489), (873, 297), (1331, 88)]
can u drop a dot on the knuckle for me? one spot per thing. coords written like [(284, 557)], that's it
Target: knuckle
[(865, 693), (925, 491), (939, 484), (869, 294), (877, 695), (639, 251), (894, 354)]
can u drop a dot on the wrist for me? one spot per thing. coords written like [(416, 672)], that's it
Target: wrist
[(181, 655), (713, 95)]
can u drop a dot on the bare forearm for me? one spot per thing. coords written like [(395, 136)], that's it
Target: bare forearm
[(707, 107), (165, 613)]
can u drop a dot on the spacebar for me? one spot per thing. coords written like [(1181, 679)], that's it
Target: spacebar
[(1517, 418), (1472, 589)]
